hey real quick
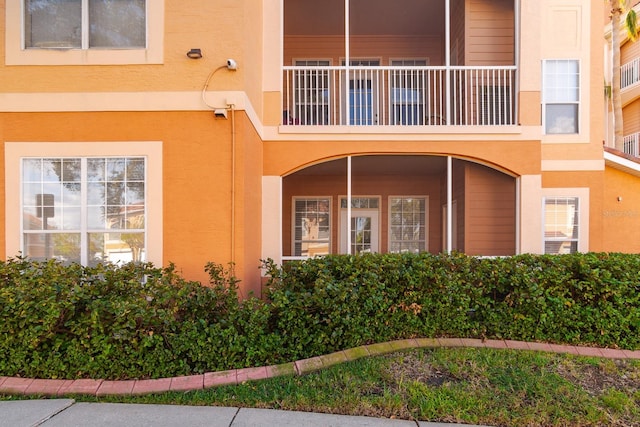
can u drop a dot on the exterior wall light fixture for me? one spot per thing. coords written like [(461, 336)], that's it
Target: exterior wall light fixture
[(194, 53)]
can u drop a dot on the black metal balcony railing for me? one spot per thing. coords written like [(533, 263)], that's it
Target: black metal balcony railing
[(392, 96)]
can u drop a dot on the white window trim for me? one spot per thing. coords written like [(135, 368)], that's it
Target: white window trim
[(15, 54), (342, 217), (421, 58), (152, 150), (293, 222), (584, 205), (580, 124), (426, 218)]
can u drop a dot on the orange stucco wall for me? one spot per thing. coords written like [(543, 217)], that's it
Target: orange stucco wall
[(621, 218), (284, 157), (182, 30), (197, 156), (598, 240)]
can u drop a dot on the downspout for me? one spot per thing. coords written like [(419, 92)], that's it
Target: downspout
[(233, 184)]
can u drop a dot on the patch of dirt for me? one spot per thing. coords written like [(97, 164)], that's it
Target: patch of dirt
[(411, 368), (597, 379)]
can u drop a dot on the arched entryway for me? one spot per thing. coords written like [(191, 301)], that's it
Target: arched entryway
[(398, 203)]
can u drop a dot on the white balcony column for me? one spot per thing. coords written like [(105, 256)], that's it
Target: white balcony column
[(272, 218), (447, 58), (449, 204), (348, 205), (347, 62), (531, 210), (516, 9)]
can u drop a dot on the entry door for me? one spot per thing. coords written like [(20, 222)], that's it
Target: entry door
[(365, 231)]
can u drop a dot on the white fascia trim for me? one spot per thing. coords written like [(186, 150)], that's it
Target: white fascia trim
[(621, 163), (128, 101), (118, 101), (14, 152)]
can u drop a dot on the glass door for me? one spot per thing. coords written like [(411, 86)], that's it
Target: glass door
[(365, 231)]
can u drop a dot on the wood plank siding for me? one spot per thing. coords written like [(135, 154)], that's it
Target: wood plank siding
[(370, 47), (489, 32), (490, 198)]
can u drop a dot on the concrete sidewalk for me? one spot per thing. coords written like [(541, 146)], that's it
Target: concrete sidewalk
[(68, 413)]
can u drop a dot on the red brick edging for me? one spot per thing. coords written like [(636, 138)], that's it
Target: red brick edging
[(44, 387)]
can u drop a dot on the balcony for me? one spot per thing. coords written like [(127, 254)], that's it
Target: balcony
[(400, 95), (412, 63), (631, 144), (630, 74)]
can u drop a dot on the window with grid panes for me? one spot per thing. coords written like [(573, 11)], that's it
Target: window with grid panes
[(84, 210), (407, 223), (311, 91), (561, 96), (312, 226), (408, 95), (561, 225)]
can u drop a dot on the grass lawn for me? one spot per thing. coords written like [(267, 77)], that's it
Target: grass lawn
[(477, 386)]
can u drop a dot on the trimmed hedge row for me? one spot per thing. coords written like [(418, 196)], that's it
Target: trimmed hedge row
[(138, 321)]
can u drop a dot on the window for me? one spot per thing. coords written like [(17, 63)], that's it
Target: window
[(311, 89), (84, 210), (496, 105), (408, 92), (364, 83), (311, 229), (408, 218), (84, 24), (99, 200), (561, 225), (84, 32), (561, 96)]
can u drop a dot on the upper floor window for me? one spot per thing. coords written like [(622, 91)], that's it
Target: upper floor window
[(561, 96), (84, 32), (85, 24)]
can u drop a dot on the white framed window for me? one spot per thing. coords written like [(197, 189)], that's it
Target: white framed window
[(561, 96), (84, 209), (408, 95), (364, 225), (561, 224), (85, 24), (408, 224), (312, 93), (84, 32), (84, 202), (362, 90), (311, 226)]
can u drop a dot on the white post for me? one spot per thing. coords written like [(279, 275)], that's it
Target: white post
[(447, 56), (349, 205), (347, 62), (272, 216), (449, 204)]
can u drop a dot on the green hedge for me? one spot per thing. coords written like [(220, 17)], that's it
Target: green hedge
[(139, 321)]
